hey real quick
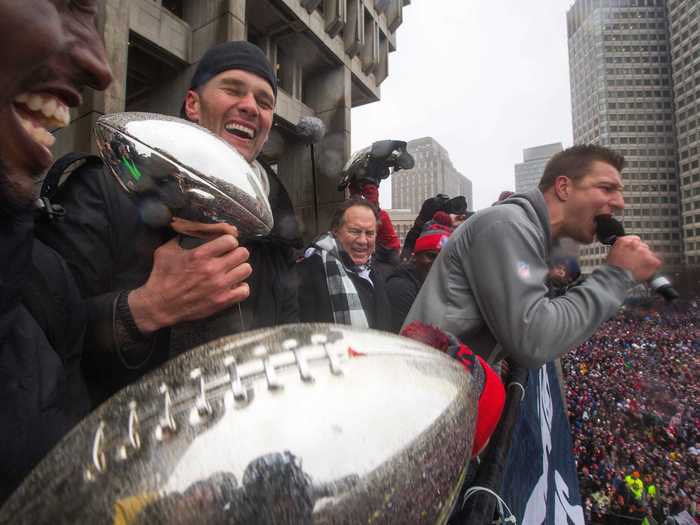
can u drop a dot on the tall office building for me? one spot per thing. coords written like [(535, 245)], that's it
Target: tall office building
[(529, 172), (684, 21), (330, 56), (621, 94), (432, 174)]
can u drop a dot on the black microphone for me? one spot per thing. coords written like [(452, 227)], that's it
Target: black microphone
[(311, 130), (608, 229)]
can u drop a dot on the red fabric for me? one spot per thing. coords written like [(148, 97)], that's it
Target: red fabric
[(491, 401), (504, 195), (371, 193), (386, 236), (430, 242), (435, 233), (367, 190), (442, 217), (427, 334), (493, 394)]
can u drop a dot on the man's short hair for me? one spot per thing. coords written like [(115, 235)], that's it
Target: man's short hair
[(575, 162), (355, 200)]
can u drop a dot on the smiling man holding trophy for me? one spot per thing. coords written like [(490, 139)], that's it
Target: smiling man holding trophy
[(141, 281)]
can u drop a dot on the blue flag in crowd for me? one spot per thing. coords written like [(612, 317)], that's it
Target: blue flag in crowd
[(541, 484)]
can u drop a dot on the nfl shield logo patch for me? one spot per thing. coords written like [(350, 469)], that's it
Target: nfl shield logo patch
[(523, 270)]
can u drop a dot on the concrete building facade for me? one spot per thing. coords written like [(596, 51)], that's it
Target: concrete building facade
[(684, 25), (529, 172), (432, 174), (622, 98), (330, 55)]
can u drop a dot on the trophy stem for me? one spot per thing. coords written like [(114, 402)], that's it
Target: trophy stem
[(240, 313)]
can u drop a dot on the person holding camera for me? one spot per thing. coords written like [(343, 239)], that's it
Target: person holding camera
[(456, 208)]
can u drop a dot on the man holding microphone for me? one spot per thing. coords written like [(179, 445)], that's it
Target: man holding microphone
[(488, 288)]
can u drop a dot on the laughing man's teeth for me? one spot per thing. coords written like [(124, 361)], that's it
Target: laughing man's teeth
[(49, 108), (38, 133), (34, 102), (51, 112), (47, 112), (248, 131)]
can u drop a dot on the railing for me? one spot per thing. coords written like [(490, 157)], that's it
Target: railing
[(479, 508)]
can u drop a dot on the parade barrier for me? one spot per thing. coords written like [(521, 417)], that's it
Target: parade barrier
[(478, 506), (541, 482), (528, 474)]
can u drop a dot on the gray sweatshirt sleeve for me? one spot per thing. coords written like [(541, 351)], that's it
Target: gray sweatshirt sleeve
[(506, 266)]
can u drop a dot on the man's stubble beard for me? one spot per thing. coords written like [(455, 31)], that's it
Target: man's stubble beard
[(13, 199)]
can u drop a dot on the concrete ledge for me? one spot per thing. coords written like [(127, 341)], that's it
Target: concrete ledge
[(291, 109), (164, 29)]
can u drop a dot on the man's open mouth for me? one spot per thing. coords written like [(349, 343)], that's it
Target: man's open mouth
[(240, 130), (38, 113)]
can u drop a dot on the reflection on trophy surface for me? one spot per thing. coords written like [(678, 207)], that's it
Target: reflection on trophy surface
[(184, 168), (296, 424)]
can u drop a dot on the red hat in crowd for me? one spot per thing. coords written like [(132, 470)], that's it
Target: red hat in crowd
[(493, 394), (505, 195), (435, 233)]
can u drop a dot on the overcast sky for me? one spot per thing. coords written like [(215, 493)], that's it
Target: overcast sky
[(485, 78)]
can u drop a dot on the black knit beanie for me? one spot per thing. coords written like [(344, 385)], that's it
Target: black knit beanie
[(232, 55)]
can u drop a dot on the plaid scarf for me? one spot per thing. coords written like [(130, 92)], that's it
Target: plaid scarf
[(345, 301)]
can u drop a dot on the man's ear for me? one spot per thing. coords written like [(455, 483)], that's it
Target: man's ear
[(562, 187), (192, 109)]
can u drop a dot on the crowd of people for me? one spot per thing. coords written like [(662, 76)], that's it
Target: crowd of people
[(634, 407)]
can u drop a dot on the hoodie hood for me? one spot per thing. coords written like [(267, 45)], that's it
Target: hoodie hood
[(534, 205)]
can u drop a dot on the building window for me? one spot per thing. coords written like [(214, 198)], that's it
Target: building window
[(175, 7)]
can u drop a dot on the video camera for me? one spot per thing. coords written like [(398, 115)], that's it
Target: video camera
[(456, 205), (376, 162)]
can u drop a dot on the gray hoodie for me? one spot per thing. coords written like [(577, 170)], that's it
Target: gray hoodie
[(487, 287)]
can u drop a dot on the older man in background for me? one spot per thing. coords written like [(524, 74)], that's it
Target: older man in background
[(337, 283)]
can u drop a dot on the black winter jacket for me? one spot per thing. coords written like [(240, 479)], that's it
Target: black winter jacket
[(385, 261), (402, 287), (315, 303), (410, 242), (42, 324), (109, 249)]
